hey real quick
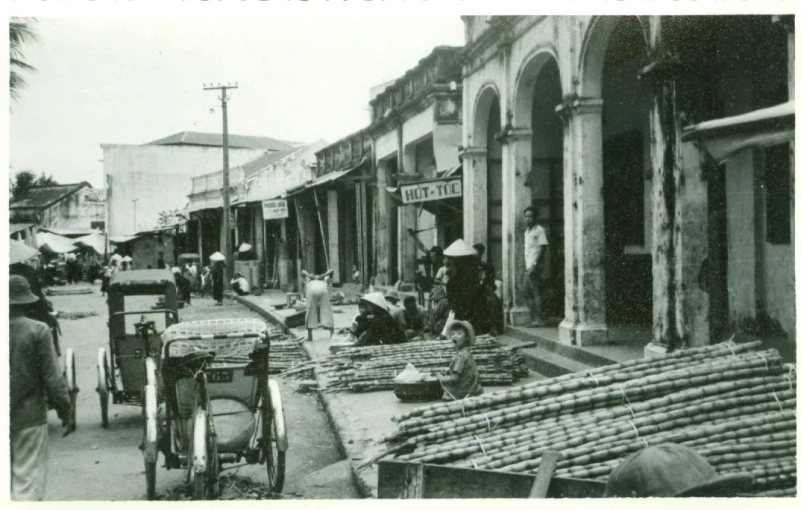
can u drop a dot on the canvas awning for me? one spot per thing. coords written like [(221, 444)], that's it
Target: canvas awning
[(722, 138), (54, 243), (68, 232), (95, 241), (20, 252), (13, 228)]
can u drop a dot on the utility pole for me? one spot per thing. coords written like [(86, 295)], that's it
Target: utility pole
[(226, 246), (135, 200)]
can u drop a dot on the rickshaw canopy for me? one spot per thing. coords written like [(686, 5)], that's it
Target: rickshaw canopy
[(141, 282)]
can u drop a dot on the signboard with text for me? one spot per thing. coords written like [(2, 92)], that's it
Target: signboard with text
[(275, 209), (431, 190)]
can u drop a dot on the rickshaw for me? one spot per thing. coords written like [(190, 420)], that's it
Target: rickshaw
[(220, 406), (130, 362)]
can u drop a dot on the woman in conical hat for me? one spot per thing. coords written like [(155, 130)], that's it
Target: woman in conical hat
[(383, 329), (465, 295)]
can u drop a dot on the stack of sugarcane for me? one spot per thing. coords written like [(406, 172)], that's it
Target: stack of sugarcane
[(374, 368), (285, 353), (734, 404)]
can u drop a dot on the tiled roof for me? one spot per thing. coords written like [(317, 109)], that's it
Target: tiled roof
[(215, 140), (42, 197)]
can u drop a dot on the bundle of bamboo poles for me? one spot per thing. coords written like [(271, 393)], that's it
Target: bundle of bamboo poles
[(374, 368), (731, 402)]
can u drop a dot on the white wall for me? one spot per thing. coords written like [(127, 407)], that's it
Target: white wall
[(159, 176)]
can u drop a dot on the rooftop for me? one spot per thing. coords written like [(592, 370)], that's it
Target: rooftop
[(215, 140), (42, 197)]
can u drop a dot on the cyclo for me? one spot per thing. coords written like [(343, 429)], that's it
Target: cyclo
[(127, 371), (220, 405)]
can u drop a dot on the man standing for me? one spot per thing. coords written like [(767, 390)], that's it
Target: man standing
[(536, 245), (35, 381), (160, 264)]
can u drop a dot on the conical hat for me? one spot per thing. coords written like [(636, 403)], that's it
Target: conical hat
[(377, 299), (471, 335), (216, 256), (459, 248), (245, 247)]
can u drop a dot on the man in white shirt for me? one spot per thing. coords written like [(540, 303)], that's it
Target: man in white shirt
[(536, 245), (240, 285)]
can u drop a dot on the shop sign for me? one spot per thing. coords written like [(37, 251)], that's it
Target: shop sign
[(431, 190), (275, 209)]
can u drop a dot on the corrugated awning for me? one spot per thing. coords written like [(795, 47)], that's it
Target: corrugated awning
[(323, 179), (723, 138), (122, 239)]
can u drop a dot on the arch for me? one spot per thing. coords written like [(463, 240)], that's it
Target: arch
[(488, 92), (526, 80), (593, 53)]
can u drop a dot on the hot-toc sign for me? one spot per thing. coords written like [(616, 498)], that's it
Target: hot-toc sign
[(431, 190), (275, 209)]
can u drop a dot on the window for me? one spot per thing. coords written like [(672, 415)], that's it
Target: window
[(777, 193)]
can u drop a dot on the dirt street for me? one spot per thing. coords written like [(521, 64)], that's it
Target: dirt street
[(105, 464)]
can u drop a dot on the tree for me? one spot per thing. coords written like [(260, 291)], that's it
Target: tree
[(20, 31), (168, 217), (25, 180)]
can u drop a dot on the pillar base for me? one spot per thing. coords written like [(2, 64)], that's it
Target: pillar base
[(654, 350), (578, 334), (519, 316)]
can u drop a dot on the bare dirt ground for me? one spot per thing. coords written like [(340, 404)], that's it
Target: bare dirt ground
[(105, 464)]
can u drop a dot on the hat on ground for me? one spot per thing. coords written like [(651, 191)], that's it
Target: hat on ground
[(672, 470), (216, 257), (459, 248), (392, 294), (471, 335), (245, 247), (377, 299), (19, 291)]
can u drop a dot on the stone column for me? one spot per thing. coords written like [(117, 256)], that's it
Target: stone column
[(474, 195), (516, 197), (333, 234), (381, 225), (679, 199), (585, 276)]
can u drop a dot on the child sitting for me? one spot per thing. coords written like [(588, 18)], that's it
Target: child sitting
[(461, 379)]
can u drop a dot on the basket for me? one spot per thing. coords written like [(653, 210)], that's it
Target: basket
[(422, 391)]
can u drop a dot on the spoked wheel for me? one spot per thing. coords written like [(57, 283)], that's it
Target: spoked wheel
[(273, 438), (150, 439), (204, 464), (72, 385), (103, 385)]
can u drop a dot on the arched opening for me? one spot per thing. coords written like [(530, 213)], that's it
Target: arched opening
[(494, 186), (546, 179), (626, 177)]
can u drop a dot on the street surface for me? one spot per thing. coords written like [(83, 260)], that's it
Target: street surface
[(105, 464)]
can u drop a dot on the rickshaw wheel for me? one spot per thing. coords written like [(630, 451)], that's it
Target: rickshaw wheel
[(102, 385), (275, 457), (205, 485), (72, 386)]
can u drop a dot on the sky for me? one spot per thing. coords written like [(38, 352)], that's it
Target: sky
[(301, 77)]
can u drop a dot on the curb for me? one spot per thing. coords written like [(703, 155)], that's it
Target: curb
[(334, 419)]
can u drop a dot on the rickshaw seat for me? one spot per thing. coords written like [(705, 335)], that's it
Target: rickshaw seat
[(189, 364)]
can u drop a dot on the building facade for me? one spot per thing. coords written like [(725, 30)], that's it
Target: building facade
[(581, 117), (69, 207), (144, 180), (416, 130)]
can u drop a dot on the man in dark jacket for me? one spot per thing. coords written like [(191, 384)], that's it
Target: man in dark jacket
[(35, 381)]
